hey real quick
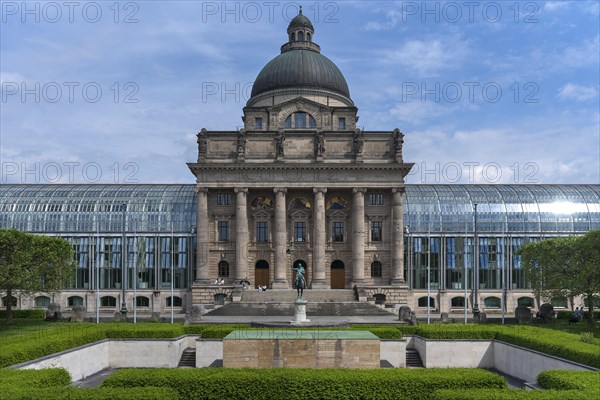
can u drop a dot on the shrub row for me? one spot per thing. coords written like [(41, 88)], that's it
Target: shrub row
[(29, 314), (54, 384), (560, 344), (61, 393), (33, 378), (566, 380), (513, 394), (569, 315), (557, 343), (306, 383)]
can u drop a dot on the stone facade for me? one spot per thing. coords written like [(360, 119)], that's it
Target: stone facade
[(300, 183)]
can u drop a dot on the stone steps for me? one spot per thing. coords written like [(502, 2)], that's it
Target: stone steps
[(286, 309), (188, 358), (413, 359), (289, 295)]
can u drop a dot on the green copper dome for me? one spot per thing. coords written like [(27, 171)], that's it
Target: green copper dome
[(300, 21), (300, 68), (300, 65)]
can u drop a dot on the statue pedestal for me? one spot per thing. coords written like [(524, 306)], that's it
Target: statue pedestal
[(300, 312)]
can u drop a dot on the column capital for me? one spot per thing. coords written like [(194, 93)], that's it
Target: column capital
[(280, 190), (201, 189), (359, 190), (398, 190), (320, 189), (240, 190)]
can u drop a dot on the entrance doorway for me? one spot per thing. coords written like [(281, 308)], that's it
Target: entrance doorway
[(338, 275), (261, 274)]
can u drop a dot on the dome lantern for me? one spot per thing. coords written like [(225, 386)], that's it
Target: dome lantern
[(300, 28)]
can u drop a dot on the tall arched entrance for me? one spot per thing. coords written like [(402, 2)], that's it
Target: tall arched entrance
[(338, 275), (261, 273)]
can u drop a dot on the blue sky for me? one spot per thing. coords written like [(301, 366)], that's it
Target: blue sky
[(486, 92)]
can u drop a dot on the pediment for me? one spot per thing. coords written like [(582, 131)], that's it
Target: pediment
[(300, 214)]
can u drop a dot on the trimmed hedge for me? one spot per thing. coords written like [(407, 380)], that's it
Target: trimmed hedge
[(32, 378), (141, 393), (566, 380), (306, 383), (512, 394), (28, 314), (54, 384), (557, 343)]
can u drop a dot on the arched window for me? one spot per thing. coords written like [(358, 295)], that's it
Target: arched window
[(457, 302), (300, 120), (5, 301), (223, 268), (176, 301), (423, 302), (525, 302), (379, 298), (42, 301), (308, 36), (559, 302), (492, 302), (142, 302), (75, 301), (108, 301), (301, 36), (219, 298), (376, 269), (293, 37)]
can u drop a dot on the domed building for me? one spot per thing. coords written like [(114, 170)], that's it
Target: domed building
[(300, 184)]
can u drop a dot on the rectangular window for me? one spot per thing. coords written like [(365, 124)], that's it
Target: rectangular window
[(376, 231), (337, 231), (299, 231), (258, 123), (262, 231), (376, 199), (223, 199), (341, 123), (223, 231)]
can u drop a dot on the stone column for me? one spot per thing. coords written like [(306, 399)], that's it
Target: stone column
[(318, 240), (280, 240), (202, 238), (241, 234), (397, 236), (358, 236)]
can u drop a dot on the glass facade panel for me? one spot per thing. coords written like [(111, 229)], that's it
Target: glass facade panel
[(92, 218), (425, 255)]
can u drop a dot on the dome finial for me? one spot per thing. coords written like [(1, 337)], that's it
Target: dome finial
[(300, 12)]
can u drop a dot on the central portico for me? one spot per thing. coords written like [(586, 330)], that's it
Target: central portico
[(300, 183)]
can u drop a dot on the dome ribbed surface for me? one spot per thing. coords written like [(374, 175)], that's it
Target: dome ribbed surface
[(300, 21), (300, 69)]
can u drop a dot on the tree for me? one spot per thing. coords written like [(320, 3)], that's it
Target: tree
[(564, 267), (31, 263)]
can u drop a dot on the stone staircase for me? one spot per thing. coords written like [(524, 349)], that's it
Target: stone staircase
[(413, 359), (188, 358), (289, 295), (280, 302)]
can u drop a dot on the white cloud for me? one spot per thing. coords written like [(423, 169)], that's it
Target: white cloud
[(577, 92), (428, 57), (555, 5), (392, 18)]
